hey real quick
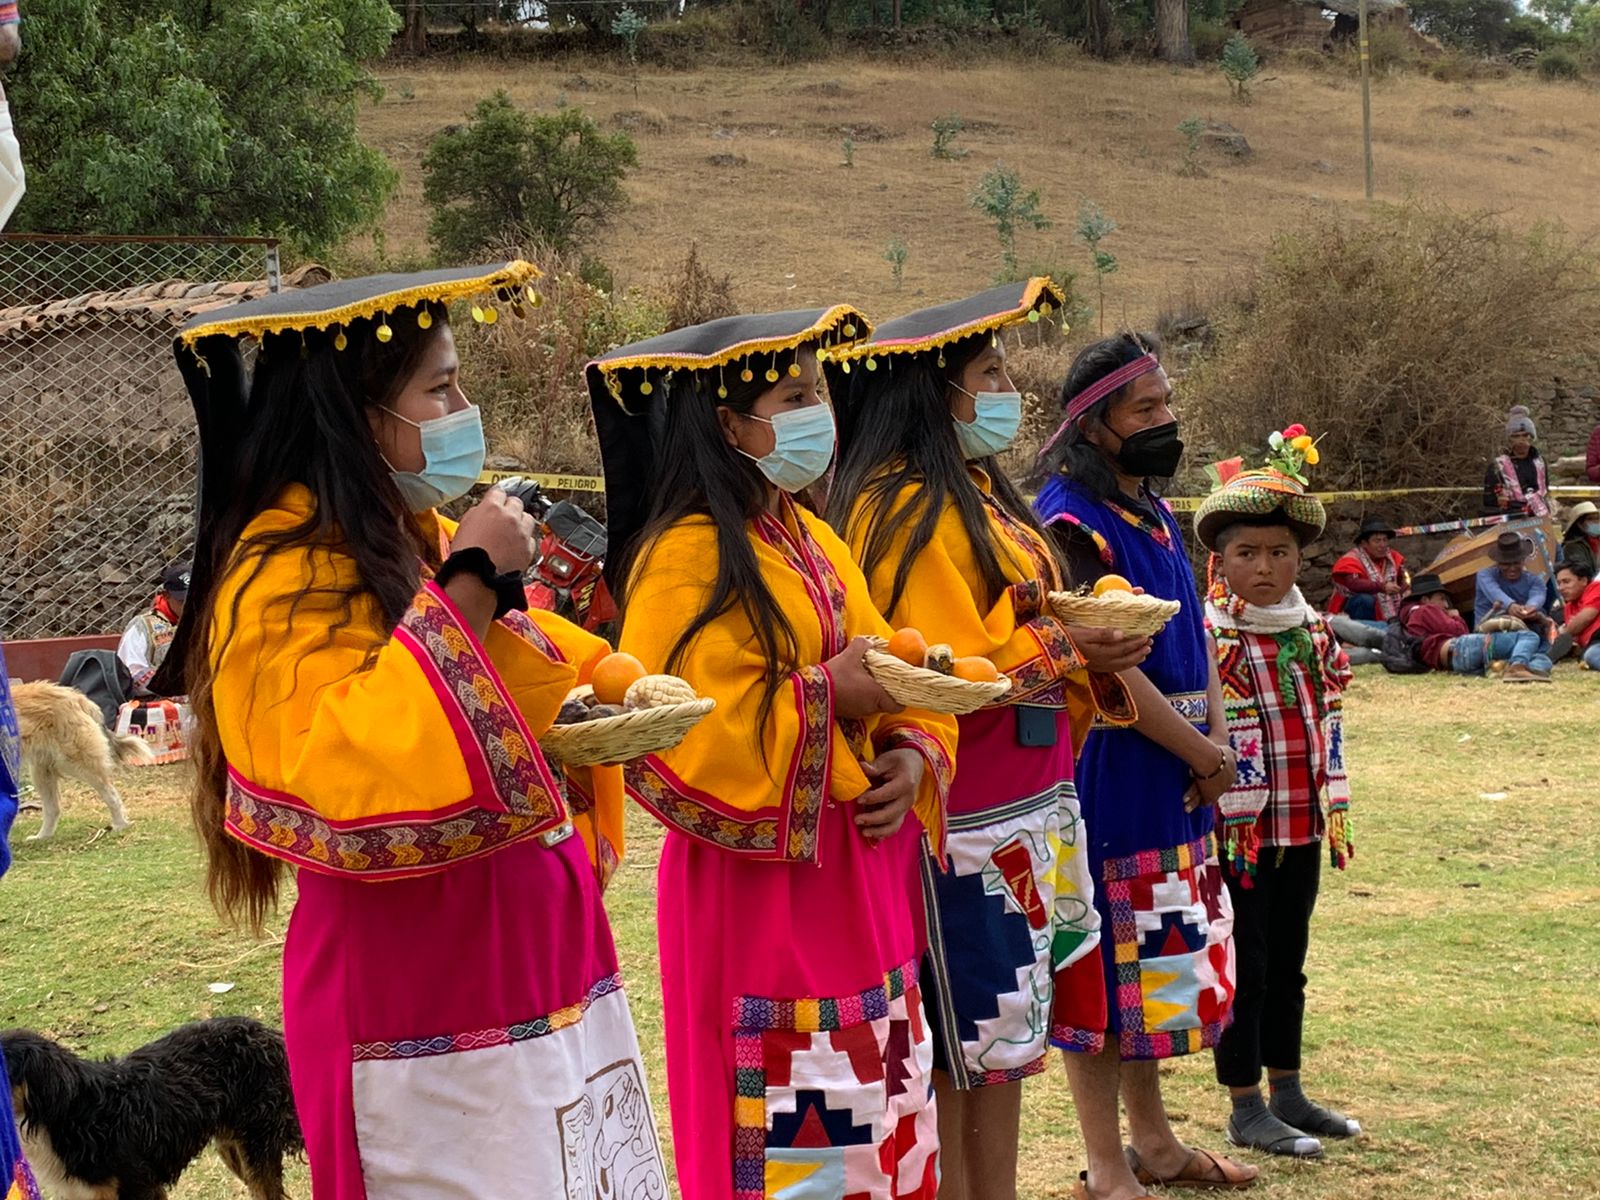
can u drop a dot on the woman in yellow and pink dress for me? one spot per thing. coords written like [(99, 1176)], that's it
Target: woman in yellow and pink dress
[(369, 699), (788, 912)]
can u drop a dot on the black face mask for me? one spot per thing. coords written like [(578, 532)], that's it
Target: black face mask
[(1151, 453)]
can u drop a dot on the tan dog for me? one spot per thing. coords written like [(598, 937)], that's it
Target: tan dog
[(63, 737)]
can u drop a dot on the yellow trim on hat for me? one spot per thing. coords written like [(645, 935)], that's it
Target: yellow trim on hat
[(1040, 288), (513, 274), (683, 361)]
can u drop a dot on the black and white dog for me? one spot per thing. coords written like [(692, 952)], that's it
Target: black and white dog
[(126, 1128)]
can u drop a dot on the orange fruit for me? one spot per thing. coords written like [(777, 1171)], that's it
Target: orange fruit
[(974, 669), (909, 646), (1111, 583), (614, 675)]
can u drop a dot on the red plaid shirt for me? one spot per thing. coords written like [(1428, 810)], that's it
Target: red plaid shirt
[(1295, 749)]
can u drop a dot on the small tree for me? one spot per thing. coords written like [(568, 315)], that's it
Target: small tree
[(945, 132), (1000, 198), (628, 25), (848, 147), (896, 256), (1239, 66), (1093, 228), (1191, 129), (510, 176)]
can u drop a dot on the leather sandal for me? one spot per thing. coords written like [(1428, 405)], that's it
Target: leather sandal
[(1203, 1170)]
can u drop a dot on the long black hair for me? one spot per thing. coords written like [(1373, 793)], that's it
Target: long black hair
[(899, 434), (1074, 454), (306, 423), (698, 474)]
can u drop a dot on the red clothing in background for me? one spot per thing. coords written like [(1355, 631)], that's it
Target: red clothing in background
[(1434, 625), (1589, 599)]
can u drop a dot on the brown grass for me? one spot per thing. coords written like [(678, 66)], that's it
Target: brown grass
[(793, 227)]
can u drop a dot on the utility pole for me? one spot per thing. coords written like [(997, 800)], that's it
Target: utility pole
[(1366, 96)]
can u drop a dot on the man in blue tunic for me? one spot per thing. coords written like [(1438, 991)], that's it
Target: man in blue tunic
[(1147, 789)]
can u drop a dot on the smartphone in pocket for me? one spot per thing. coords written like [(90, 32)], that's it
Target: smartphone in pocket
[(1035, 726)]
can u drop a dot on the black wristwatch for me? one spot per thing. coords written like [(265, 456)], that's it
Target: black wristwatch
[(508, 591)]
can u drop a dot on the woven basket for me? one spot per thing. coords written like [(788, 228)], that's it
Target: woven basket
[(622, 739), (1139, 615), (918, 687)]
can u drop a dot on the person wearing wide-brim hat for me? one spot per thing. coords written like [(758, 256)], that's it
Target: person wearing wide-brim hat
[(951, 549), (1148, 791), (1510, 586), (1442, 642), (1368, 584), (368, 701), (1581, 543), (788, 897), (1284, 675)]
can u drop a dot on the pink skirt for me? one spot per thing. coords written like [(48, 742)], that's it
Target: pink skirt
[(797, 1051), (465, 1034)]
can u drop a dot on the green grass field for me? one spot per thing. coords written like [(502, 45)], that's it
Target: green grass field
[(1454, 1009)]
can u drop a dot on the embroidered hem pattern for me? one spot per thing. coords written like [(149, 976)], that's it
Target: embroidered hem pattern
[(1172, 941), (514, 794), (522, 1031), (785, 832), (833, 1096)]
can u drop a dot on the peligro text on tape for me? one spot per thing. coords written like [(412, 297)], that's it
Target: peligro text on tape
[(556, 483)]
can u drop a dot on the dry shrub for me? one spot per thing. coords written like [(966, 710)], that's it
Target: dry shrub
[(527, 374), (1401, 341), (695, 294)]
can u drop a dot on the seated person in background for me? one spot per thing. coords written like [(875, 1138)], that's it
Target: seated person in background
[(1368, 585), (145, 641), (1509, 589), (1580, 595), (160, 721), (1581, 542), (1516, 483), (1442, 642)]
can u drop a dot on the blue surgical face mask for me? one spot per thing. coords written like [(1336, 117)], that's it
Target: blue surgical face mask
[(802, 447), (452, 459), (1592, 528), (995, 426)]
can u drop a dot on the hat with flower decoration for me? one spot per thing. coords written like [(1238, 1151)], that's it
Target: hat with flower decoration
[(1279, 484), (626, 384)]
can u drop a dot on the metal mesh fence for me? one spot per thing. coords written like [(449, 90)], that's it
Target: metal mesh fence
[(97, 443)]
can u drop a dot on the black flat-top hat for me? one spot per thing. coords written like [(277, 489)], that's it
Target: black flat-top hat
[(931, 329), (625, 383), (1373, 526), (210, 357)]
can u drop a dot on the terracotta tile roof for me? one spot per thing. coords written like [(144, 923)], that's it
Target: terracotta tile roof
[(167, 304)]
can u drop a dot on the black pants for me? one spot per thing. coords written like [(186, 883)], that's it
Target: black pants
[(1271, 928)]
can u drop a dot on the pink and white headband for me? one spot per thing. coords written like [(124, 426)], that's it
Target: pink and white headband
[(1099, 390)]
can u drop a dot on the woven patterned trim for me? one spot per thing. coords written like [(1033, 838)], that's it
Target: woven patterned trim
[(786, 831), (481, 1039), (834, 319), (1042, 294), (755, 1014), (513, 274)]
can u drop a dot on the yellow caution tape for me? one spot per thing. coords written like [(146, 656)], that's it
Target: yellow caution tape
[(559, 483), (1191, 503)]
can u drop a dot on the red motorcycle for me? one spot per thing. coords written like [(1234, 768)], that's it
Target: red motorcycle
[(566, 577)]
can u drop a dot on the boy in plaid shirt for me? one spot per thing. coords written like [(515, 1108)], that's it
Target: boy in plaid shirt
[(1283, 676)]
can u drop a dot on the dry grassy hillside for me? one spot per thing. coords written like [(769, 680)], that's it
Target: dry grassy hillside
[(749, 163)]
